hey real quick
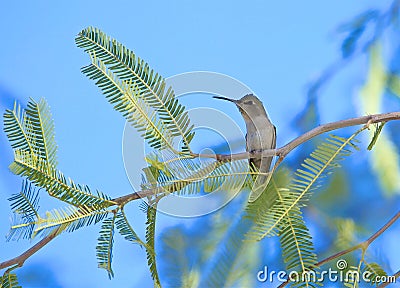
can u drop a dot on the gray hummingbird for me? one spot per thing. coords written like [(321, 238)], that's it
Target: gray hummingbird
[(261, 135)]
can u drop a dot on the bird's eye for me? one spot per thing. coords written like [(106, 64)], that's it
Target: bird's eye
[(249, 102)]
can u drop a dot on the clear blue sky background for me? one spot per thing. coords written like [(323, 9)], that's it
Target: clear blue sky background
[(275, 48)]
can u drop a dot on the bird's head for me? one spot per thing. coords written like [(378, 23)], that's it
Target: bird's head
[(249, 105)]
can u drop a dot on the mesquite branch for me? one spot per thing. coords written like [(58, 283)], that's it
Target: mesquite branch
[(280, 152)]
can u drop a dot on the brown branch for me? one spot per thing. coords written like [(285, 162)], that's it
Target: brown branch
[(281, 152), (363, 245), (20, 260)]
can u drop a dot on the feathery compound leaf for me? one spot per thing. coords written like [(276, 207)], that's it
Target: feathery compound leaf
[(31, 133), (57, 185), (9, 280), (26, 202), (126, 230), (151, 212), (14, 127), (40, 128), (298, 249), (25, 207), (32, 130), (152, 89), (184, 176), (105, 244), (229, 176), (125, 97), (69, 219), (320, 163), (374, 273), (378, 130)]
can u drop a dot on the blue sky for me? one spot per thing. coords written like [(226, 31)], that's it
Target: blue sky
[(275, 48)]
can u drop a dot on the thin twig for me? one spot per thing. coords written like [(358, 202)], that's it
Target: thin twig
[(281, 152), (20, 260)]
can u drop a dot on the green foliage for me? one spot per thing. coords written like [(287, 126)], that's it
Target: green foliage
[(377, 132), (185, 176), (374, 271), (297, 247), (284, 217), (31, 133), (25, 206), (9, 280), (321, 161), (32, 130), (105, 244), (136, 90), (126, 230), (44, 175), (125, 99), (69, 219), (142, 97), (151, 213)]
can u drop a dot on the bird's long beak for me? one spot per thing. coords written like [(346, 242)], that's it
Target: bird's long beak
[(224, 98)]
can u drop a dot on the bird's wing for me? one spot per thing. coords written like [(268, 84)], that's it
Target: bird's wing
[(261, 181)]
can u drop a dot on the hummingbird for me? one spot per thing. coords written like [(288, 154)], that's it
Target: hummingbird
[(261, 135)]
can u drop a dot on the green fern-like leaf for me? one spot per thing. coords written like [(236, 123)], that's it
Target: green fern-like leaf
[(230, 265), (9, 280), (375, 272), (129, 68), (32, 130), (297, 248), (31, 133), (25, 206), (184, 176), (151, 213), (105, 244), (377, 132), (14, 127), (57, 185), (321, 162), (125, 97), (68, 219), (41, 130), (126, 230)]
